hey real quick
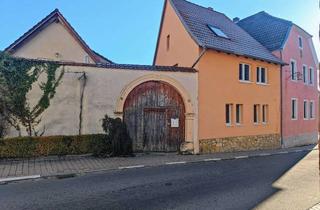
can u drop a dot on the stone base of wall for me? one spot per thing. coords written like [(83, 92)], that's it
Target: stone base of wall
[(240, 143), (300, 140)]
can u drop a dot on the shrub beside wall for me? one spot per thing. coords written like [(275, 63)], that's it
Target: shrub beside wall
[(26, 147)]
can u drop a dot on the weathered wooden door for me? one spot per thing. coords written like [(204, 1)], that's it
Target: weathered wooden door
[(154, 114)]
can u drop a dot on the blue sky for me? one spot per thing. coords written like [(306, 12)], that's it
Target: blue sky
[(126, 31)]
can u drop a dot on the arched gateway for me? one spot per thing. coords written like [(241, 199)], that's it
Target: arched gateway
[(154, 113)]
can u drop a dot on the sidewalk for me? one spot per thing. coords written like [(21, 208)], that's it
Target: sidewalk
[(13, 170)]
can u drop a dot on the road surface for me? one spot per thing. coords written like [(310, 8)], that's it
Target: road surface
[(286, 181)]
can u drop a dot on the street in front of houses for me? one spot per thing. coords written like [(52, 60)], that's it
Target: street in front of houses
[(282, 181)]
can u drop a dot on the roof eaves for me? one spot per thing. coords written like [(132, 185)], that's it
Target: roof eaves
[(279, 62), (82, 42)]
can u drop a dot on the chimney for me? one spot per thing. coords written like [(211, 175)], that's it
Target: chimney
[(210, 8), (236, 20)]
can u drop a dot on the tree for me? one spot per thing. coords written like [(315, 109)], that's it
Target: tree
[(17, 78)]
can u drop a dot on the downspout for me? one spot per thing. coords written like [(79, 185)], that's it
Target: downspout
[(281, 101), (204, 49)]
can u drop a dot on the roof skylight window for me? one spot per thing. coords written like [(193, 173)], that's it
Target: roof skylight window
[(218, 32)]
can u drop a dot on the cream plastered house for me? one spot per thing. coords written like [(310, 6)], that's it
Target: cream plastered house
[(158, 103)]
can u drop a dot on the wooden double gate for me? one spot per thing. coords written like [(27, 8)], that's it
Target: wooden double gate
[(154, 113)]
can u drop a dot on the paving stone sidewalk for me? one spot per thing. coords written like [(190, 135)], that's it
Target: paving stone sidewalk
[(53, 166)]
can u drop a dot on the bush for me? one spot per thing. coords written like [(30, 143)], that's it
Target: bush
[(117, 134), (27, 147), (3, 125)]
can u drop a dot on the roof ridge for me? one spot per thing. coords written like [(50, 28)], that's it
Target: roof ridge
[(206, 8), (267, 14)]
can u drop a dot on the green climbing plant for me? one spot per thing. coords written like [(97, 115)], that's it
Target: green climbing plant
[(17, 78)]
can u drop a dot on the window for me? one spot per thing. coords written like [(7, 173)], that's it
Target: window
[(311, 110), (244, 72), (305, 109), (300, 42), (293, 67), (168, 42), (311, 76), (261, 75), (228, 114), (256, 113), (218, 32), (305, 74), (239, 111), (86, 59), (294, 109), (265, 113)]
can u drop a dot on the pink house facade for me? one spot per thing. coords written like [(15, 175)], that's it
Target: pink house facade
[(299, 90), (300, 102)]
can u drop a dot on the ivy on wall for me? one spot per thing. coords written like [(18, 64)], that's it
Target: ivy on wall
[(17, 78)]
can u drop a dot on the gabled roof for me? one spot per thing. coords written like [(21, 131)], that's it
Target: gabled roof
[(53, 17), (196, 20), (270, 31)]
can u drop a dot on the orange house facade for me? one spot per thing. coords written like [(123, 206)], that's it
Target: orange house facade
[(238, 78)]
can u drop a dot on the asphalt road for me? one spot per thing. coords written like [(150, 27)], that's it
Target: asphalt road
[(231, 184)]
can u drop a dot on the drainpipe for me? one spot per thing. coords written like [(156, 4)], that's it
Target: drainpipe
[(204, 49), (281, 101)]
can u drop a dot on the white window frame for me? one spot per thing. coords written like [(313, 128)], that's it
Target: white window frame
[(296, 109), (311, 76), (86, 59), (305, 110), (259, 79), (265, 110), (300, 38), (243, 69), (230, 106), (305, 72), (294, 75), (240, 114), (312, 110), (258, 113)]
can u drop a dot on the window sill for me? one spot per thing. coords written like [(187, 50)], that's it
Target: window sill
[(245, 81), (229, 125), (239, 125), (294, 119), (256, 124), (263, 84)]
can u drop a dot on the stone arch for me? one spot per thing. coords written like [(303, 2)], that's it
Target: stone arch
[(191, 141)]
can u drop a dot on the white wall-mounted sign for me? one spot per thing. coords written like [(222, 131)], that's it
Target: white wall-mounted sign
[(174, 122)]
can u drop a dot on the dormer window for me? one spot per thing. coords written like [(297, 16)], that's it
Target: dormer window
[(218, 32)]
